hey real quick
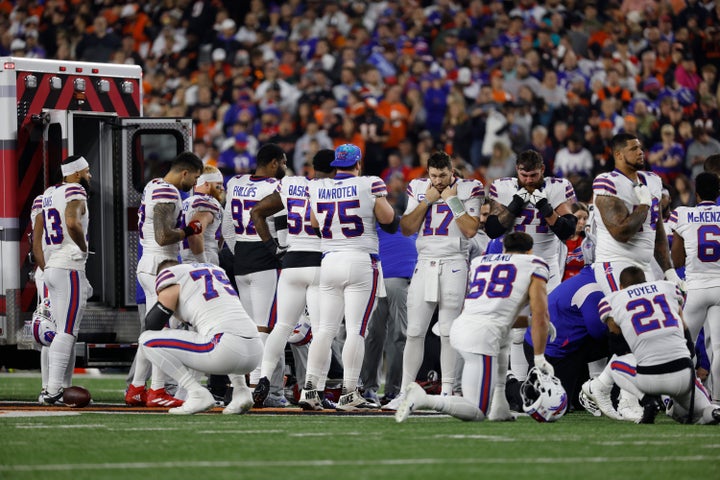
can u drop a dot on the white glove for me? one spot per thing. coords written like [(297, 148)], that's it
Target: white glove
[(643, 195), (524, 194), (672, 276), (537, 195), (552, 332), (543, 365)]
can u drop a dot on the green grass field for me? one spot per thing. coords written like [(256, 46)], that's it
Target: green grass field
[(82, 445)]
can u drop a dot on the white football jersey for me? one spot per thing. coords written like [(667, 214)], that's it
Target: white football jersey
[(345, 208), (648, 315), (243, 193), (61, 250), (640, 248), (699, 228), (546, 244), (497, 292), (156, 192), (294, 195), (207, 300), (202, 203), (439, 235), (36, 210)]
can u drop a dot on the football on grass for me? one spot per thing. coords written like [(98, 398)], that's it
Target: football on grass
[(76, 397)]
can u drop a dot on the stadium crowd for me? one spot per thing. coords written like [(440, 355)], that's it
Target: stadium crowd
[(482, 81)]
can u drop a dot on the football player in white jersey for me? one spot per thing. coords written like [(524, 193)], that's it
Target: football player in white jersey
[(65, 227), (696, 245), (500, 286), (649, 317), (205, 206), (160, 238), (345, 210), (298, 284), (256, 267), (444, 212), (222, 338), (541, 207), (39, 258), (627, 224)]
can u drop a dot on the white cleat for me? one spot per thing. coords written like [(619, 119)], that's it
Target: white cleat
[(629, 407), (393, 404), (310, 400), (354, 401), (413, 399), (242, 402), (499, 408), (197, 401), (601, 398)]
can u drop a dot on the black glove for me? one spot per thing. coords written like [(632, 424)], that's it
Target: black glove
[(518, 202), (275, 248)]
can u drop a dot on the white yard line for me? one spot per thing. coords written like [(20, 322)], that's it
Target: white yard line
[(264, 464)]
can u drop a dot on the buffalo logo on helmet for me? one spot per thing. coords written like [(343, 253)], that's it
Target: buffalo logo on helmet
[(43, 327), (544, 397), (346, 155)]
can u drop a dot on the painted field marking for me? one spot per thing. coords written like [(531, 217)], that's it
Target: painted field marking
[(263, 464)]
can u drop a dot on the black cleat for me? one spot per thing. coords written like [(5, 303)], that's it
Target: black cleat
[(55, 399), (716, 415), (261, 392), (651, 405)]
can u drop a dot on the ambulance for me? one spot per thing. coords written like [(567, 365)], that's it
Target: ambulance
[(50, 109)]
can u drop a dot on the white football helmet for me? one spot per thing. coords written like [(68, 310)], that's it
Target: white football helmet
[(43, 327), (544, 398), (302, 333)]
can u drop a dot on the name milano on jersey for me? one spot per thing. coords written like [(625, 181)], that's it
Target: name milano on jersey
[(439, 235), (545, 243), (62, 251), (700, 229), (345, 209)]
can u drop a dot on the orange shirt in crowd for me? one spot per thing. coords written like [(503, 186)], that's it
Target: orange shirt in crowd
[(396, 115)]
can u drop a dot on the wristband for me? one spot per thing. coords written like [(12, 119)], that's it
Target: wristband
[(456, 206), (427, 202)]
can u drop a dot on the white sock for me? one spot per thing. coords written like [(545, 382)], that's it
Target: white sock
[(448, 362), (458, 407), (352, 356), (59, 357), (44, 366), (412, 359)]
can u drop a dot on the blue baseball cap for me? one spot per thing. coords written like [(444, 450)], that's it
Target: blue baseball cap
[(346, 155)]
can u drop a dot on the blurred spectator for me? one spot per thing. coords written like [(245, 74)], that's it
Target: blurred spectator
[(540, 142), (99, 45), (395, 165), (666, 158), (501, 164), (702, 146), (236, 160), (374, 132), (396, 116), (303, 146), (573, 160)]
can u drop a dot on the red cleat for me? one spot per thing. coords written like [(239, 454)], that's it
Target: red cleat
[(160, 398), (135, 396)]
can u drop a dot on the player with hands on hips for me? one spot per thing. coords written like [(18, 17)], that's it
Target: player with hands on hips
[(444, 212)]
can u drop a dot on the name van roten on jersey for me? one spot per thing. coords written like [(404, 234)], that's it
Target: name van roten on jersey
[(337, 192), (704, 217)]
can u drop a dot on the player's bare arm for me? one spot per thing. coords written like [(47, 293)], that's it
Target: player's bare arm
[(74, 212), (197, 242), (621, 224), (384, 212), (164, 221), (410, 223), (467, 224), (678, 251), (266, 207), (539, 313), (662, 249), (37, 239), (613, 327)]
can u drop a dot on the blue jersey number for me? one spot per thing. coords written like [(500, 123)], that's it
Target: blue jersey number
[(209, 278), (238, 207), (443, 228), (708, 244), (53, 227), (646, 317), (298, 216), (493, 281), (352, 225)]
